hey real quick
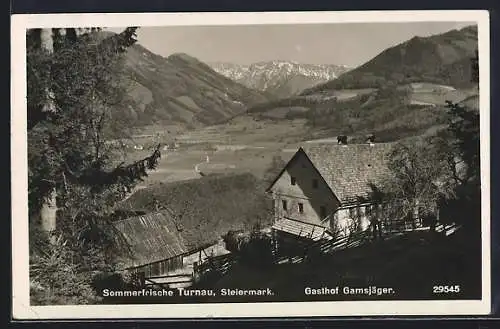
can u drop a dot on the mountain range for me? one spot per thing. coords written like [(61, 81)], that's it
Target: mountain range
[(180, 89), (417, 74), (279, 78), (441, 59)]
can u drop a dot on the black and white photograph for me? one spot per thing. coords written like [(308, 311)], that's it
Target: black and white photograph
[(250, 164)]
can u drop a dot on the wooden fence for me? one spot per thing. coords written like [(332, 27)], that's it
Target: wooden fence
[(447, 229), (326, 247), (220, 264), (352, 241)]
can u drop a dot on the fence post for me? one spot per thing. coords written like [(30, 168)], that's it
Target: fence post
[(142, 278)]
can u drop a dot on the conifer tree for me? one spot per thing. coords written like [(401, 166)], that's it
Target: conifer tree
[(75, 82)]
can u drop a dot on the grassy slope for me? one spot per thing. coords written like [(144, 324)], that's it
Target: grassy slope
[(180, 89), (210, 205), (292, 86), (389, 113)]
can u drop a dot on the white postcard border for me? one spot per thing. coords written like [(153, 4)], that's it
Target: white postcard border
[(19, 168)]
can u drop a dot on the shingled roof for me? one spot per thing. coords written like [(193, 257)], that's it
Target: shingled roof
[(350, 170), (302, 229), (151, 238)]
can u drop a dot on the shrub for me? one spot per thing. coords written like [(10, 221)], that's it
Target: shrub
[(56, 280), (253, 248), (114, 281)]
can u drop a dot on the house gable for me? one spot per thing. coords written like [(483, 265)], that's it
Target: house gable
[(301, 193), (300, 156)]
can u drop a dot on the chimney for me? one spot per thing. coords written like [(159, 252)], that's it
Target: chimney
[(342, 139), (370, 139)]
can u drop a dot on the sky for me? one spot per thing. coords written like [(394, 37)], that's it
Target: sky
[(350, 44)]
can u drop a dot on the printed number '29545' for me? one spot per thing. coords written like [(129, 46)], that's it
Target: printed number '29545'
[(445, 289)]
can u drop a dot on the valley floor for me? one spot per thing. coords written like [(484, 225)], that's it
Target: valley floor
[(242, 146)]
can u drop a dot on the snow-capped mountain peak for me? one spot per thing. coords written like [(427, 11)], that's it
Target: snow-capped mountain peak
[(275, 75)]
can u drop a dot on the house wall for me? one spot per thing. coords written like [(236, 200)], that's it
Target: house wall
[(161, 268), (202, 255), (354, 219), (358, 218), (302, 192), (182, 264)]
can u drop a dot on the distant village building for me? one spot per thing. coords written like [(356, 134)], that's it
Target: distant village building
[(171, 146), (325, 190)]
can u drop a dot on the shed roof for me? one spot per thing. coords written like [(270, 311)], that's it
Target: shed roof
[(301, 229), (152, 237)]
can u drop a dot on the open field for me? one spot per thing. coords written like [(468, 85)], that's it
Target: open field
[(242, 145), (345, 94), (342, 94), (434, 94)]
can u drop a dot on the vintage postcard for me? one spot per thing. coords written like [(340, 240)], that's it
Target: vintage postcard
[(271, 164)]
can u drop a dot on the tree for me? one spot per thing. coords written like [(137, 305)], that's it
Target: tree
[(418, 177), (439, 171), (75, 88), (465, 147), (464, 129)]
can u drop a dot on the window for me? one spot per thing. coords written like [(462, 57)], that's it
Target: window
[(382, 209), (162, 268), (355, 212), (283, 203), (155, 269), (301, 208), (315, 183), (368, 211), (322, 211), (293, 180)]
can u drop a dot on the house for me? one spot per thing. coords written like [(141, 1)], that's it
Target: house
[(158, 247), (171, 146), (326, 190), (174, 226)]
